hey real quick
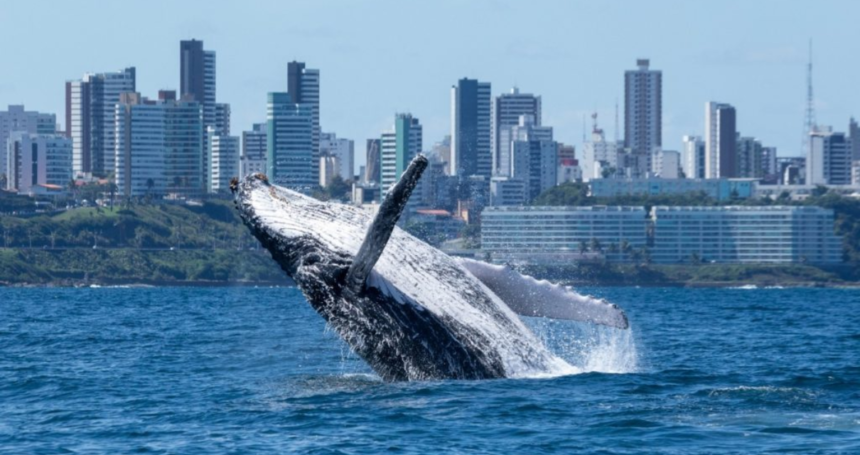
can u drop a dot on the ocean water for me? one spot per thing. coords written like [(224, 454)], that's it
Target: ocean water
[(242, 370)]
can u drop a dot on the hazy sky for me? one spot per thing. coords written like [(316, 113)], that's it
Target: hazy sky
[(381, 57)]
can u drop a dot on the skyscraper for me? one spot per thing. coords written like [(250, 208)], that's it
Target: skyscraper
[(526, 129), (303, 86), (399, 147), (720, 141), (828, 160), (224, 156), (470, 128), (506, 113), (16, 119), (159, 148), (253, 159), (693, 157), (643, 113), (197, 77), (748, 157), (290, 155), (343, 150), (90, 105)]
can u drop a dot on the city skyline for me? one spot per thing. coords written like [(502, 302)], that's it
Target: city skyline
[(575, 73)]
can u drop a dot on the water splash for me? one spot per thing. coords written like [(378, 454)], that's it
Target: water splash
[(589, 348)]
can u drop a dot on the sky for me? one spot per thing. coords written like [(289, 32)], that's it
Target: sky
[(377, 58)]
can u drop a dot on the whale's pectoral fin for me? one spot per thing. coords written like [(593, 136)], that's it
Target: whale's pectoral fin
[(382, 226), (539, 298)]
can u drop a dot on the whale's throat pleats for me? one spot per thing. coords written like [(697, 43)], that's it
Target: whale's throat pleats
[(382, 226)]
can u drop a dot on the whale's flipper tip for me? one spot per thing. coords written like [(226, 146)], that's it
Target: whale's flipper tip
[(382, 226)]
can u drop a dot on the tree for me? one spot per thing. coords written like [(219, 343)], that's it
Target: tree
[(819, 190), (595, 245), (583, 247), (625, 249), (695, 259)]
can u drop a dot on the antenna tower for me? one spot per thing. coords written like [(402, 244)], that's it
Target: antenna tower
[(809, 115)]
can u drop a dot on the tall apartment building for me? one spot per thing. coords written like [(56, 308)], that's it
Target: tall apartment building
[(197, 77), (748, 157), (398, 148), (343, 150), (291, 158), (471, 152), (745, 234), (224, 159), (506, 111), (769, 168), (536, 164), (253, 158), (303, 86), (854, 135), (222, 118), (666, 164), (643, 114), (90, 109), (34, 159), (720, 140), (160, 147), (693, 157), (600, 158), (828, 160), (526, 129), (16, 119)]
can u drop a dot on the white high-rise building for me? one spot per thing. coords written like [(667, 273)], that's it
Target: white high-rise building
[(37, 159), (303, 86), (643, 114), (224, 156), (253, 159), (599, 155), (90, 109), (720, 141), (343, 149), (471, 152), (160, 148), (291, 159), (666, 164), (828, 160), (693, 157), (506, 112), (399, 147), (16, 119), (329, 168), (526, 129)]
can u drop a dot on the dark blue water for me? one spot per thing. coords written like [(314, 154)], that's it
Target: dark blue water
[(253, 371)]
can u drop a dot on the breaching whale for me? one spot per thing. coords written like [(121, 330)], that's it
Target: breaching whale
[(409, 310)]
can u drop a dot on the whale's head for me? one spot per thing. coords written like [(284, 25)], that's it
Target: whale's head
[(295, 228)]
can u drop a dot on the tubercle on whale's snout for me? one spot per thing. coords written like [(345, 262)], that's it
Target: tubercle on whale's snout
[(235, 181)]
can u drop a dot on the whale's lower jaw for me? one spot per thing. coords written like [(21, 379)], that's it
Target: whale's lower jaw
[(401, 341)]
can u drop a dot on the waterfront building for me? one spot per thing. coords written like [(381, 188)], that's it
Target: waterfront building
[(398, 148), (745, 234), (253, 158), (470, 142), (343, 150), (643, 114), (693, 157), (303, 86), (558, 235), (90, 107), (291, 158), (16, 119), (34, 160), (719, 189), (720, 141), (224, 156), (828, 160), (506, 111)]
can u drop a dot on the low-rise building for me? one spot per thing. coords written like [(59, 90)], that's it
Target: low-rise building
[(719, 189), (561, 234), (745, 234), (37, 159)]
